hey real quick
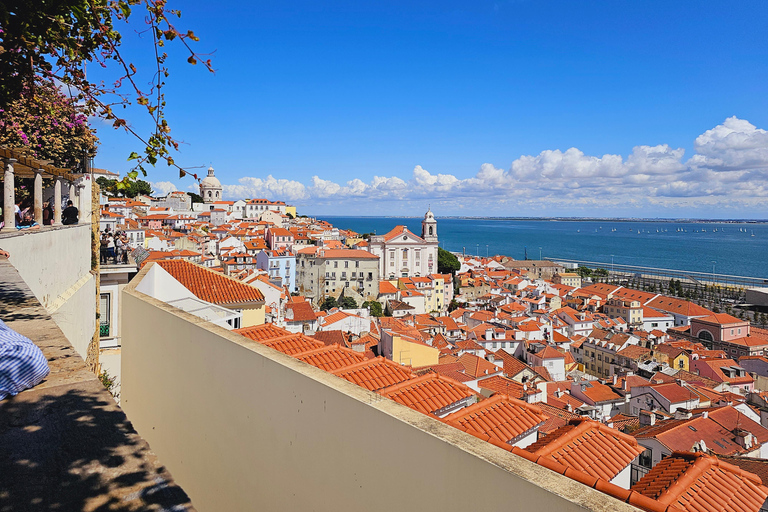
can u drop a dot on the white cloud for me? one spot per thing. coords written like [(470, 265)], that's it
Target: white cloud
[(268, 188), (650, 177), (163, 188)]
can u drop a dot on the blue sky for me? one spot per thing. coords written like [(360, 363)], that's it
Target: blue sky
[(615, 108)]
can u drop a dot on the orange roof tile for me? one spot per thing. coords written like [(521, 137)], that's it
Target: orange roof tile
[(262, 332), (293, 344), (477, 366), (331, 358), (375, 374), (589, 446), (429, 393), (500, 417), (211, 286), (700, 482)]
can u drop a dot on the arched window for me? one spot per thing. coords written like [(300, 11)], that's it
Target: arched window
[(209, 193), (430, 230), (706, 335)]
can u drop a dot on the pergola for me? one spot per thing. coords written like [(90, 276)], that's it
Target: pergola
[(17, 164)]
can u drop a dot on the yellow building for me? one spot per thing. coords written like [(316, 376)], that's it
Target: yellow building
[(408, 352), (290, 210)]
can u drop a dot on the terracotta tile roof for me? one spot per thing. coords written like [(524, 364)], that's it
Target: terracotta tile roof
[(699, 482), (685, 434), (598, 392), (732, 419), (302, 312), (477, 366), (375, 374), (331, 358), (328, 338), (211, 286), (293, 344), (589, 446), (758, 467), (263, 332), (499, 384), (429, 393), (679, 306), (500, 417)]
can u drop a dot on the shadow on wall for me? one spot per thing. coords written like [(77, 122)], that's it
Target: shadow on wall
[(77, 451)]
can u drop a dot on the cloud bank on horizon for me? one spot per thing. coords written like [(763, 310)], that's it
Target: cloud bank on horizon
[(728, 172)]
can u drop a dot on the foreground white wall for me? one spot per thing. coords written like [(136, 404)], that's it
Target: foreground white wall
[(56, 265), (243, 427)]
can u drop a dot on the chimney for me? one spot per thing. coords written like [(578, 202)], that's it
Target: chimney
[(615, 379), (647, 418)]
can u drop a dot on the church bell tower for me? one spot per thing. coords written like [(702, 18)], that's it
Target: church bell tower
[(429, 227)]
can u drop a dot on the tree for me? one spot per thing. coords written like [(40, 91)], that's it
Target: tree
[(51, 42), (447, 263), (48, 125), (453, 306), (584, 272), (329, 303), (375, 307), (196, 198), (131, 189), (347, 303)]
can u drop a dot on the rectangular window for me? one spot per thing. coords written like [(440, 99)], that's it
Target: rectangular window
[(357, 264), (346, 264), (335, 264), (105, 313)]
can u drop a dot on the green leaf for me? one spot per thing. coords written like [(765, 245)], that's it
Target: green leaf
[(133, 175), (133, 156)]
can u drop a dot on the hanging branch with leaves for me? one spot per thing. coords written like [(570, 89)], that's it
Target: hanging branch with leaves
[(54, 42)]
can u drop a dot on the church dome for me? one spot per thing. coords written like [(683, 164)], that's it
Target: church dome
[(210, 180)]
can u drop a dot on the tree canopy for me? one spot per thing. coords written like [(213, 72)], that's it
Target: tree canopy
[(131, 189), (347, 303), (48, 125), (329, 303), (375, 307), (447, 263), (46, 42)]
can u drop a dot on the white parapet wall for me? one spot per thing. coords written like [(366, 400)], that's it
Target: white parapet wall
[(243, 427), (56, 265)]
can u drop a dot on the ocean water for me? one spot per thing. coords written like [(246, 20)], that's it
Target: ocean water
[(692, 246)]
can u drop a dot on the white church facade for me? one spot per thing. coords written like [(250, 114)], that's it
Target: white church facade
[(402, 253)]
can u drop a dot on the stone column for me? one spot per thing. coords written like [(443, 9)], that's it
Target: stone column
[(38, 195), (9, 197), (81, 204), (57, 201)]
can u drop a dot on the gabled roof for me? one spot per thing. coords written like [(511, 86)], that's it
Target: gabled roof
[(375, 374), (428, 393), (685, 434), (477, 366), (699, 482), (263, 332), (211, 286), (292, 344), (331, 358), (500, 417), (302, 312), (589, 446)]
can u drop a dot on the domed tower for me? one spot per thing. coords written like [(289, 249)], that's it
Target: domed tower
[(210, 188), (429, 227)]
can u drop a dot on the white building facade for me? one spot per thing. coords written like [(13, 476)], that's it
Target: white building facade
[(402, 253)]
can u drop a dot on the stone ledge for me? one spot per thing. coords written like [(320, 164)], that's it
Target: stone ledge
[(65, 444)]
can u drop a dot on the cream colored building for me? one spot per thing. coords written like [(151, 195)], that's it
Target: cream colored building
[(629, 310), (403, 253), (322, 273), (567, 278)]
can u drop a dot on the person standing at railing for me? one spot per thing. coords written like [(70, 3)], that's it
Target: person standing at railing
[(70, 214)]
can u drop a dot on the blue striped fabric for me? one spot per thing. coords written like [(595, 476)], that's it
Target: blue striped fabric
[(22, 364)]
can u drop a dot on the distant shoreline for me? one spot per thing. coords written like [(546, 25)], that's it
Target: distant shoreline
[(562, 219)]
